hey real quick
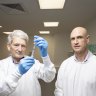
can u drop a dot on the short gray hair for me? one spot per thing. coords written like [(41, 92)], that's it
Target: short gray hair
[(17, 33)]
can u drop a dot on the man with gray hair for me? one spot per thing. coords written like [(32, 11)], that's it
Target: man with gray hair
[(19, 74)]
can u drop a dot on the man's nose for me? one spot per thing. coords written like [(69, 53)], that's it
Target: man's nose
[(20, 48), (76, 41)]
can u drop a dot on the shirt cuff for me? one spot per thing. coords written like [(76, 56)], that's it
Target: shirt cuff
[(47, 61)]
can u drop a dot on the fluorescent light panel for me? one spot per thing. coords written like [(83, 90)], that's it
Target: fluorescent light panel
[(7, 33), (51, 4), (44, 32), (51, 24)]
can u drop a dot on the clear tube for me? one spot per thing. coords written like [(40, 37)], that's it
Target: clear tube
[(33, 50)]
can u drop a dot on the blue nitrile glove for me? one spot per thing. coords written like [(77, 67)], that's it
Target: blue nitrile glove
[(25, 64), (42, 44)]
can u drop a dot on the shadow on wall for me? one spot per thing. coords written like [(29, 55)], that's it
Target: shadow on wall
[(47, 89)]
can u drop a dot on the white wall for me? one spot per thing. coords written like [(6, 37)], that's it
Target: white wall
[(3, 48), (92, 31)]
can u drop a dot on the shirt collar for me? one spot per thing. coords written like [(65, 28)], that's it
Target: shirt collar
[(15, 61), (86, 58)]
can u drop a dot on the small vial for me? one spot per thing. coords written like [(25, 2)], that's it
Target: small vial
[(33, 50)]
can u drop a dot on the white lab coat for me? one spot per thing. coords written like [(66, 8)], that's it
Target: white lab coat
[(13, 84), (77, 78)]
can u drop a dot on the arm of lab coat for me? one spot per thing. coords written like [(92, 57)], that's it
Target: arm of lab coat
[(45, 71), (59, 85), (8, 83)]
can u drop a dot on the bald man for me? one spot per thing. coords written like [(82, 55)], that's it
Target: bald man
[(77, 74)]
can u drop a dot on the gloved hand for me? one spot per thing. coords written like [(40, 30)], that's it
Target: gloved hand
[(25, 64), (42, 44)]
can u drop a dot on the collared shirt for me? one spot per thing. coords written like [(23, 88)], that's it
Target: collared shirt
[(77, 78)]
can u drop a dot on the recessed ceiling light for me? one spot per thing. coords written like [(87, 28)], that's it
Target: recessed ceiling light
[(51, 24), (51, 4), (44, 32), (7, 33), (0, 26)]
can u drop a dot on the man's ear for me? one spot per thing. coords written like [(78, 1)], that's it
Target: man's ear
[(8, 47), (88, 37)]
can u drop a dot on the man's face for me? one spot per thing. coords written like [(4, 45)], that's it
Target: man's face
[(17, 47), (79, 40)]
